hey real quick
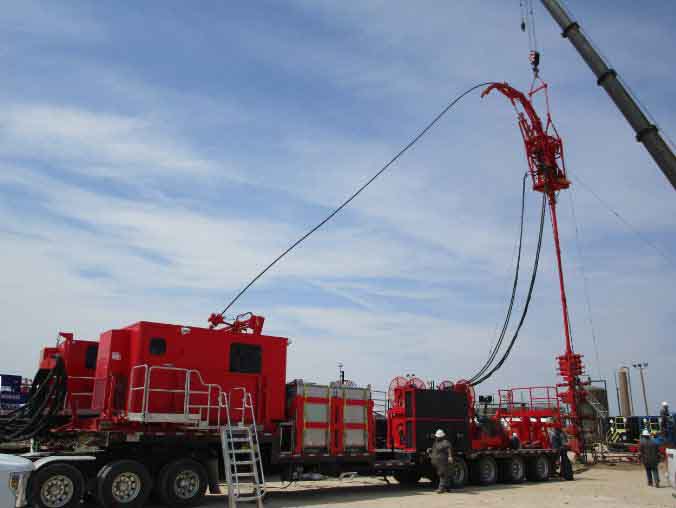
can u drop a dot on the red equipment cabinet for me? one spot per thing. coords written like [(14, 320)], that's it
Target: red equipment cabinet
[(331, 420), (416, 414), (353, 423), (172, 374), (79, 357)]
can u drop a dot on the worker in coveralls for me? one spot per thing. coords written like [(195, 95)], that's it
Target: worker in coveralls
[(560, 444), (441, 456), (665, 421), (650, 458)]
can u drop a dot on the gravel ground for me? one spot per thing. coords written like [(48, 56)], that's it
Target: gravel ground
[(600, 486)]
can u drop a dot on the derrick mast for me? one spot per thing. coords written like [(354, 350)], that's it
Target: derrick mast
[(547, 169)]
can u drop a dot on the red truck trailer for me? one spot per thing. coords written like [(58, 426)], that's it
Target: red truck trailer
[(176, 409)]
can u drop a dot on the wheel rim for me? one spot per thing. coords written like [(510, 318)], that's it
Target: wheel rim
[(186, 484), (458, 474), (487, 472), (126, 487), (517, 469), (542, 467), (57, 491)]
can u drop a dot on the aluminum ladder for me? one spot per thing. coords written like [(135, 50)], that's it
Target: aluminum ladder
[(242, 458)]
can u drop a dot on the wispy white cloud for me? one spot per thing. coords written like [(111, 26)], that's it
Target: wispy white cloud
[(99, 144), (410, 279)]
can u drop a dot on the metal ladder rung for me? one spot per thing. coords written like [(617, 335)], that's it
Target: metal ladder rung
[(243, 466), (247, 498), (233, 452)]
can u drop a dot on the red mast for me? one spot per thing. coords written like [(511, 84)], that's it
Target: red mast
[(546, 166)]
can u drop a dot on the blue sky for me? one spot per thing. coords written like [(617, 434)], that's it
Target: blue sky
[(155, 156)]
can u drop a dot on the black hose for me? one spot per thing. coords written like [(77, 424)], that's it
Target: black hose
[(526, 305), (46, 398), (508, 316)]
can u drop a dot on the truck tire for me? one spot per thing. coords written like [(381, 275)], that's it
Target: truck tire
[(182, 482), (407, 477), (538, 469), (56, 486), (485, 471), (459, 473), (513, 469), (123, 484)]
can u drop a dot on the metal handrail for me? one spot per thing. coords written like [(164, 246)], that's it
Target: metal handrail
[(248, 403), (187, 391), (66, 401)]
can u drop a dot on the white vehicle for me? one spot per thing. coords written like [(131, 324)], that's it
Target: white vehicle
[(14, 473)]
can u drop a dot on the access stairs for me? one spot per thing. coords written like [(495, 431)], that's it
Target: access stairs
[(600, 410), (242, 457)]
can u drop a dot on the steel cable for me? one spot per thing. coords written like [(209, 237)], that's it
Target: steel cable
[(401, 152)]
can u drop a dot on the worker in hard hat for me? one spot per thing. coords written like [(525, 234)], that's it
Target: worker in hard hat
[(559, 442), (441, 456), (665, 421), (650, 457)]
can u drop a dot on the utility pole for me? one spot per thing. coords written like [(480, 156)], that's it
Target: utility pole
[(641, 367), (606, 77), (341, 373)]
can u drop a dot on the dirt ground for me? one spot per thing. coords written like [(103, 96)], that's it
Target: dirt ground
[(600, 486)]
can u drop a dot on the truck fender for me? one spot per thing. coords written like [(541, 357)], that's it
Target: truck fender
[(62, 458)]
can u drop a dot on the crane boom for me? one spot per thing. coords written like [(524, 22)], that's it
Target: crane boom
[(646, 132)]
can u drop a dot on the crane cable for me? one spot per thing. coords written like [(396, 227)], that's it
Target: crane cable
[(508, 315), (526, 304), (528, 25), (401, 152), (585, 283)]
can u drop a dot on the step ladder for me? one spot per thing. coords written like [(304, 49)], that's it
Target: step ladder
[(601, 411), (242, 456)]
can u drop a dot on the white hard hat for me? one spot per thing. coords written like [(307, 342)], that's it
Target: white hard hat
[(665, 404), (439, 433), (645, 433)]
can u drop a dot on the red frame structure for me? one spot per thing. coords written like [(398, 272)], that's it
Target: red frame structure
[(530, 412), (546, 166), (74, 353)]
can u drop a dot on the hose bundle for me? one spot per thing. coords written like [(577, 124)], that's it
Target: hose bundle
[(45, 399)]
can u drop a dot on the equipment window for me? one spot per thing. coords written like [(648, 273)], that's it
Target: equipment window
[(158, 346), (245, 358), (90, 356)]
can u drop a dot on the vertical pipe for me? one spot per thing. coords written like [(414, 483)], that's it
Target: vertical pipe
[(557, 245), (571, 379), (645, 398), (631, 393)]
